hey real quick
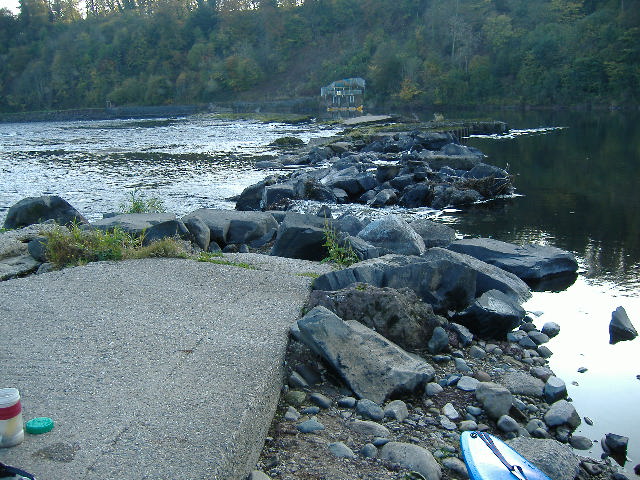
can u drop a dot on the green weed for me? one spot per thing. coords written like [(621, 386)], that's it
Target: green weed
[(339, 254), (216, 258), (136, 202)]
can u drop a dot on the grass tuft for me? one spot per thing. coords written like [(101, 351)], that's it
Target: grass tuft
[(137, 202), (339, 254)]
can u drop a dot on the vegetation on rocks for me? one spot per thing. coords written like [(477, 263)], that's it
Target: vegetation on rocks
[(340, 253), (138, 202)]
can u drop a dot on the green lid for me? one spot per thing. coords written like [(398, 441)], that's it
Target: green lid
[(39, 425)]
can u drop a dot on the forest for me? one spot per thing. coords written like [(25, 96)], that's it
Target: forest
[(63, 54)]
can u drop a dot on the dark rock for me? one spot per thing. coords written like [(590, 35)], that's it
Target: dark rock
[(371, 365), (133, 223), (347, 402), (391, 234), (169, 229), (277, 195), (383, 198), (31, 210), (38, 248), (496, 400), (310, 426), (233, 227), (350, 224), (620, 327), (551, 329), (301, 236), (199, 232), (465, 337), (554, 390), (19, 266), (385, 173), (492, 315), (340, 450), (615, 444), (580, 443), (398, 315), (529, 262), (433, 234), (320, 400), (251, 197), (363, 250), (370, 410), (416, 196), (439, 341), (324, 212)]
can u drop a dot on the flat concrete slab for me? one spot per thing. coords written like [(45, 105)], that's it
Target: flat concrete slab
[(151, 369)]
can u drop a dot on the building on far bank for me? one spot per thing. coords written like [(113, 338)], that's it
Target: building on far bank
[(344, 95)]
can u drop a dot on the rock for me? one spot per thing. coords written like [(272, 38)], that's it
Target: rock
[(496, 400), (274, 197), (507, 424), (397, 410), (369, 450), (383, 198), (391, 234), (233, 227), (369, 428), (521, 383), (544, 351), (439, 341), (551, 329), (620, 327), (258, 475), (492, 315), (538, 337), (32, 210), (368, 409), (251, 197), (398, 315), (456, 465), (444, 279), (310, 426), (292, 415), (199, 232), (297, 381), (37, 248), (17, 266), (461, 365), (295, 397), (347, 402), (477, 352), (554, 390), (555, 459), (416, 196), (529, 262), (433, 234), (467, 384), (615, 444), (580, 443), (15, 243), (133, 223), (468, 426), (465, 337), (562, 413), (340, 450), (412, 457), (301, 236), (450, 411), (169, 229), (371, 365), (432, 389), (320, 400), (362, 249)]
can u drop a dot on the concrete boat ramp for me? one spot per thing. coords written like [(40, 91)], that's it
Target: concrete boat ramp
[(150, 369)]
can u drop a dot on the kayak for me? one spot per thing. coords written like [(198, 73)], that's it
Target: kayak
[(489, 458)]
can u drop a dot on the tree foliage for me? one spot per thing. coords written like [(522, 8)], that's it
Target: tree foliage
[(57, 54)]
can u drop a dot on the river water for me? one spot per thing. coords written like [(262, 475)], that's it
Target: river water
[(578, 188)]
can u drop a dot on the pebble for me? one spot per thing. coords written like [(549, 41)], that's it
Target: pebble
[(580, 443), (477, 352), (369, 450), (340, 450), (311, 410), (467, 384), (397, 410), (292, 415), (527, 342), (320, 400), (366, 427), (473, 410), (441, 358), (456, 465), (380, 441), (347, 402), (295, 397), (551, 329), (310, 426), (538, 337), (582, 369), (507, 424), (450, 411), (588, 421), (369, 409), (468, 426), (544, 351), (446, 423), (433, 389), (296, 381), (461, 365)]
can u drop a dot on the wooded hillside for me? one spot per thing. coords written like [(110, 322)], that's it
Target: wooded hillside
[(55, 55)]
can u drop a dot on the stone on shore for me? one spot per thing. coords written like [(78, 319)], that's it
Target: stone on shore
[(552, 457), (133, 223), (562, 413), (32, 210), (369, 428), (412, 457), (371, 365), (301, 236), (492, 315), (496, 400), (521, 383), (232, 227), (529, 262), (554, 390), (391, 234), (620, 327)]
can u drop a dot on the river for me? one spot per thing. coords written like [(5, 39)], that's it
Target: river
[(578, 188)]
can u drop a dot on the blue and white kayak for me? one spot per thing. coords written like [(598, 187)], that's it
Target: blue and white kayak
[(489, 458)]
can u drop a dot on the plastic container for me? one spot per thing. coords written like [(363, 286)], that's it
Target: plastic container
[(11, 427)]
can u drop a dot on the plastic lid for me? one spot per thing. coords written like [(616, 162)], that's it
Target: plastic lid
[(8, 397), (39, 425)]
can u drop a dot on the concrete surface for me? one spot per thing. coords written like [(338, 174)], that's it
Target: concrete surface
[(151, 369)]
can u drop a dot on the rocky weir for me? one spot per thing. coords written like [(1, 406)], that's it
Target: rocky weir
[(423, 337)]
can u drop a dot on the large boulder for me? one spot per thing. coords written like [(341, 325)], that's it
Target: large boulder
[(169, 229), (133, 223), (233, 227), (620, 327), (412, 457), (552, 457), (251, 197), (301, 236), (391, 234), (398, 315), (528, 262), (447, 280), (372, 366), (433, 234), (492, 315), (39, 209)]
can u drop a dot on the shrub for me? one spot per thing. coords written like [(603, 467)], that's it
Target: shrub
[(136, 202), (340, 254)]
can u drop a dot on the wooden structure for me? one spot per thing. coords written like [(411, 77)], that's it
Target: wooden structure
[(344, 95)]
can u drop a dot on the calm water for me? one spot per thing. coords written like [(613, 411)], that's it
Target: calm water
[(577, 175)]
